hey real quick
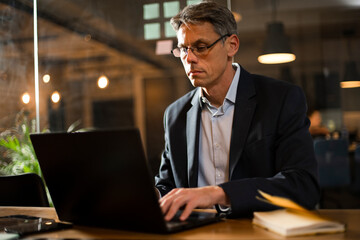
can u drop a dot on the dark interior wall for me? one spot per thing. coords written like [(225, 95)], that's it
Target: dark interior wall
[(159, 93), (112, 114)]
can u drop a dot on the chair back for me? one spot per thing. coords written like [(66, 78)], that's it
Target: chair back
[(23, 190), (333, 161), (357, 169)]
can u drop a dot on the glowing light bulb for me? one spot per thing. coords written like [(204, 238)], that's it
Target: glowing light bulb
[(25, 98), (275, 58), (46, 78), (103, 82), (55, 97), (350, 84)]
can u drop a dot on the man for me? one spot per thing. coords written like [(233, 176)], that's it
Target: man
[(235, 133)]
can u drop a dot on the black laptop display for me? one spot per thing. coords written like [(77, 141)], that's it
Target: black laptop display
[(102, 178)]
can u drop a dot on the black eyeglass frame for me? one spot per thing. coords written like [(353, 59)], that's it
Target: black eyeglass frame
[(177, 51)]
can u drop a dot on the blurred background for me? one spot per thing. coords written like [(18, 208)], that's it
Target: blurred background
[(107, 64)]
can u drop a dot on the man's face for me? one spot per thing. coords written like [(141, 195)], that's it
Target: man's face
[(206, 70)]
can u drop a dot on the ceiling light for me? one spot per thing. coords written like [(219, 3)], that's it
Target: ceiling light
[(351, 77), (46, 78), (276, 47), (25, 98), (103, 82), (55, 97)]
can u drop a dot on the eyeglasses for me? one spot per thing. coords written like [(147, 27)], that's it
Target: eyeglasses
[(200, 50)]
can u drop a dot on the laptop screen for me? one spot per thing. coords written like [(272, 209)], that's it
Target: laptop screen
[(99, 178)]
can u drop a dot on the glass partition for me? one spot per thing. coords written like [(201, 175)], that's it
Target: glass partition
[(17, 104), (16, 63)]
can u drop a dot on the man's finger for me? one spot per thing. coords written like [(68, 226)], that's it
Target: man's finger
[(176, 203), (166, 201), (187, 210), (164, 204)]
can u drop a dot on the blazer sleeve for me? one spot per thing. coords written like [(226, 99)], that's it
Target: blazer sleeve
[(295, 166), (164, 180), (173, 171)]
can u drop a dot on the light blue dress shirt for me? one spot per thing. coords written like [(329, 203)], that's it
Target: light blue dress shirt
[(215, 135)]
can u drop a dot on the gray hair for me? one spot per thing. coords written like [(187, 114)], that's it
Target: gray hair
[(219, 16)]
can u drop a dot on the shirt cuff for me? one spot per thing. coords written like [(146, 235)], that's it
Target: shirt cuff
[(222, 209)]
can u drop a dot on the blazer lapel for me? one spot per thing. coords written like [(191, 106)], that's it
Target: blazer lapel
[(244, 109), (192, 137)]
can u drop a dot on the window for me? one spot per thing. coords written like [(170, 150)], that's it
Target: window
[(151, 11), (171, 9), (157, 17), (151, 31)]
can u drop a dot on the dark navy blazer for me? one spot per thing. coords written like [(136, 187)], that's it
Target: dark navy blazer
[(271, 148)]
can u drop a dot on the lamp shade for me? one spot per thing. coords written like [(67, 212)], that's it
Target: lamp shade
[(351, 76), (276, 47)]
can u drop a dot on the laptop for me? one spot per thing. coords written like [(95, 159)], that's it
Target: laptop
[(101, 178)]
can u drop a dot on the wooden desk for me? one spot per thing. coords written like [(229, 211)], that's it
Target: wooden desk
[(227, 229)]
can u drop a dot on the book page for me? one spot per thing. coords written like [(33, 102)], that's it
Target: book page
[(290, 223), (294, 219)]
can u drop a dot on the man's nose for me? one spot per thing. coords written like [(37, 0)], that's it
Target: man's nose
[(190, 57)]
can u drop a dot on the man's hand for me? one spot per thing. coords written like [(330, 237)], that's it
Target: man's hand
[(190, 198)]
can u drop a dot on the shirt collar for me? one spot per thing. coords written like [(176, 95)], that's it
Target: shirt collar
[(231, 94)]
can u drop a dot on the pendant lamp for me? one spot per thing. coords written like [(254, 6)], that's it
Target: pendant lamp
[(351, 77), (276, 47)]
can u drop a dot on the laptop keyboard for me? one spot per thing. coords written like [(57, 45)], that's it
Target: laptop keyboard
[(175, 221), (194, 218)]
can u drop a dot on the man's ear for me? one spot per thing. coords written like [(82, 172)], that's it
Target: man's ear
[(233, 45)]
